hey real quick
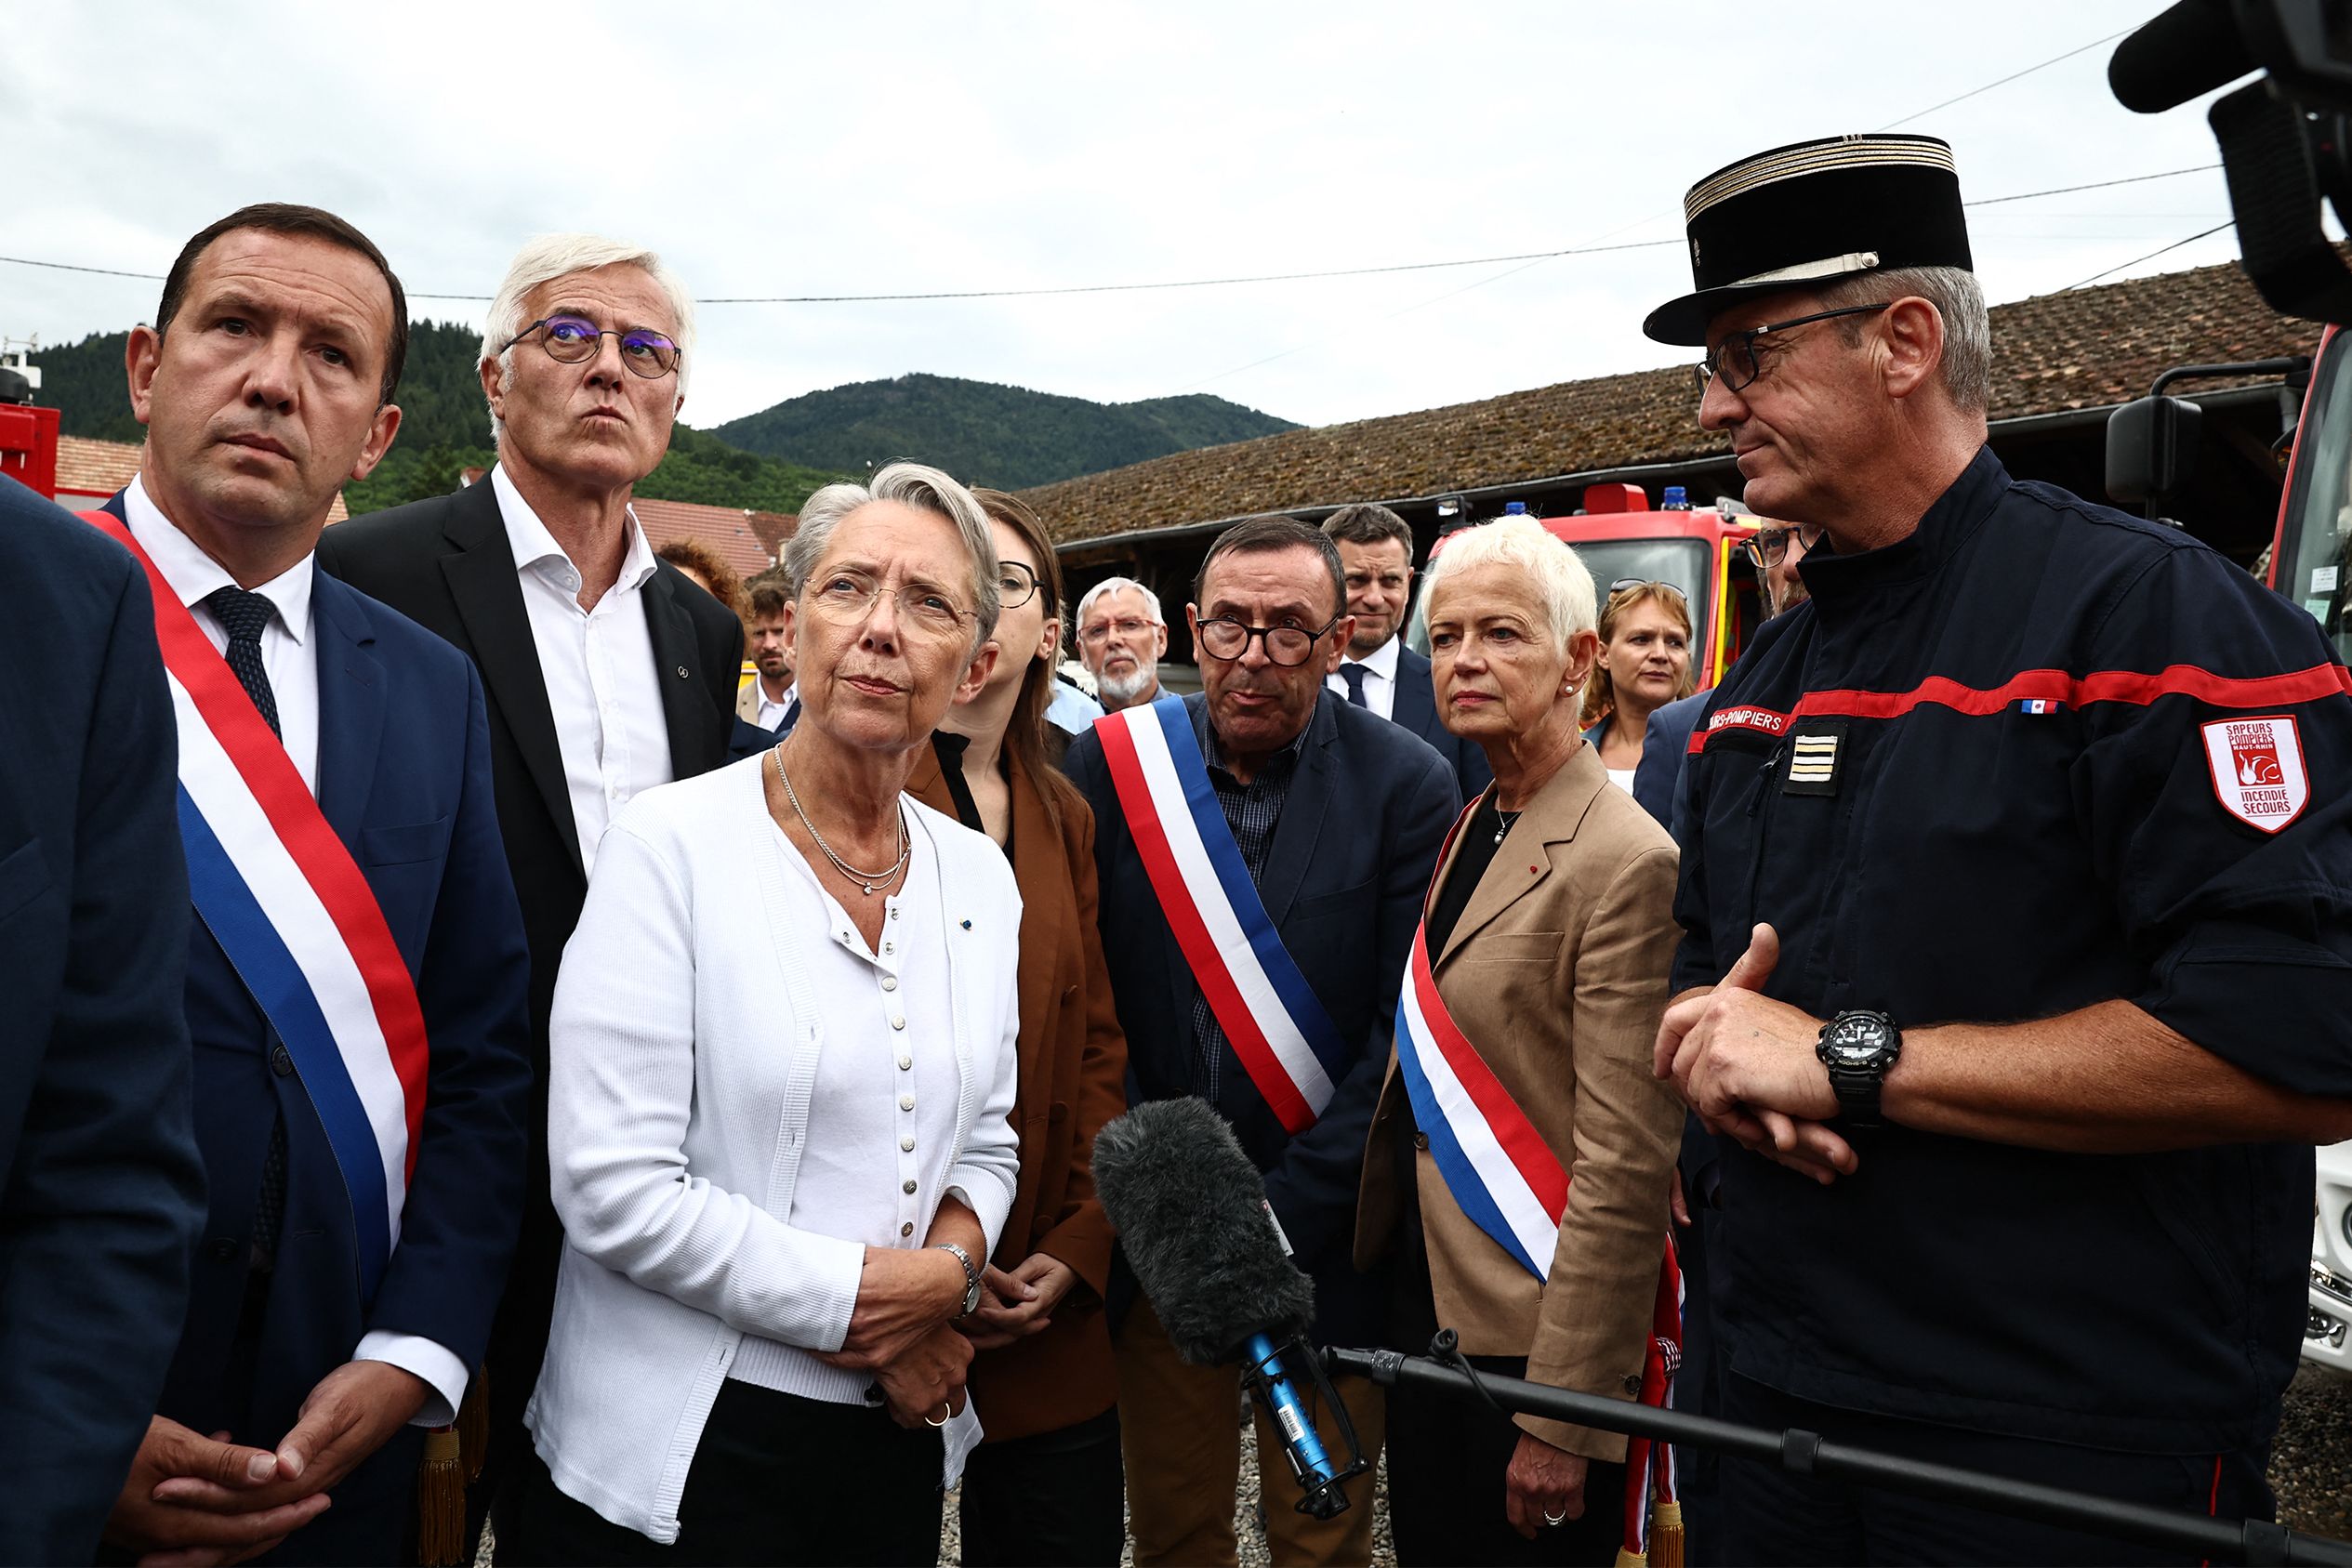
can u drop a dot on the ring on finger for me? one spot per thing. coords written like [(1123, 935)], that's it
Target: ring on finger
[(1550, 1518), (947, 1414)]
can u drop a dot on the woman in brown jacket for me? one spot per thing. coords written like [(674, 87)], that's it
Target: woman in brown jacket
[(1547, 932), (1045, 1486)]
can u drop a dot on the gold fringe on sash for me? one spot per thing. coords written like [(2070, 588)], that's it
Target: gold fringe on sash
[(453, 1458), (440, 1502), (1666, 1535)]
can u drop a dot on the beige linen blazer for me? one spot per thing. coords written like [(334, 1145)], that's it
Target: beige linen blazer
[(1556, 973)]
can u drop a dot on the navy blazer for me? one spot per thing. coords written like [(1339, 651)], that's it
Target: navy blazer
[(1350, 858), (1658, 779), (100, 1188), (1415, 708), (404, 778)]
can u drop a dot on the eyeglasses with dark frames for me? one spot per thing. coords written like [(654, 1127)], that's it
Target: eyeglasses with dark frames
[(1734, 360), (572, 340), (1224, 637), (1769, 546), (1016, 583)]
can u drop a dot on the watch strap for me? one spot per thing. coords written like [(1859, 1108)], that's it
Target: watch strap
[(972, 1276)]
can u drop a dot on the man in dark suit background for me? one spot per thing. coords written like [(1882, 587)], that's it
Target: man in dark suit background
[(322, 1346), (1380, 672), (607, 671), (1338, 817), (101, 1189)]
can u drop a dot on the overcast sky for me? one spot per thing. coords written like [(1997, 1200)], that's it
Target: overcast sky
[(789, 149)]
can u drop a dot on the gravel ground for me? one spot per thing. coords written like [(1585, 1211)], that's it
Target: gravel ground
[(2311, 1464)]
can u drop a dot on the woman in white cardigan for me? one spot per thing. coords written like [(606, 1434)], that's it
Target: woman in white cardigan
[(783, 1059)]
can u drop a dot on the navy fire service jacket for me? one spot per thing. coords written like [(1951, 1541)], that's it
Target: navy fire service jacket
[(2037, 756)]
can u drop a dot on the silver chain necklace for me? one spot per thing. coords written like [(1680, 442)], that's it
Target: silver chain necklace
[(869, 880)]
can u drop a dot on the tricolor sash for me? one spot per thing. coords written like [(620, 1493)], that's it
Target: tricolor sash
[(1276, 1023), (1511, 1185), (282, 895)]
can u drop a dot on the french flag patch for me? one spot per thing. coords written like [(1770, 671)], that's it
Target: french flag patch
[(2040, 705)]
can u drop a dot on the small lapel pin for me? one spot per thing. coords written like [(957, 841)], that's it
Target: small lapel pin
[(682, 672)]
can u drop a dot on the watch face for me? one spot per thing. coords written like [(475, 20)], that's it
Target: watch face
[(1855, 1042)]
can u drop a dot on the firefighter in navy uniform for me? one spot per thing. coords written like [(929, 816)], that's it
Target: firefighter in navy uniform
[(2017, 901)]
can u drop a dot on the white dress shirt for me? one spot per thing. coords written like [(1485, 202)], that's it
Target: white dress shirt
[(286, 656), (771, 712), (1380, 678), (291, 665), (597, 665), (729, 1125)]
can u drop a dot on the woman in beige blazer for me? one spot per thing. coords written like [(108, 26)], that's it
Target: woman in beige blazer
[(1549, 927)]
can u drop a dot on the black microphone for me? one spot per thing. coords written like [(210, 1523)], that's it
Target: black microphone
[(2190, 48), (1192, 1215)]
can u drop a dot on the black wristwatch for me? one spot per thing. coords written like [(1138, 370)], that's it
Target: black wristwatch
[(1857, 1048)]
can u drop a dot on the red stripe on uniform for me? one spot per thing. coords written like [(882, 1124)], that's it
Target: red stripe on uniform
[(2053, 685)]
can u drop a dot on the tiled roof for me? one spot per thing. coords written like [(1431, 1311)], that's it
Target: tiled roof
[(88, 469), (2083, 348), (745, 539)]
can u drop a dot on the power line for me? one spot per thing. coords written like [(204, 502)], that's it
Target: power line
[(2013, 76), (2151, 255), (1184, 283)]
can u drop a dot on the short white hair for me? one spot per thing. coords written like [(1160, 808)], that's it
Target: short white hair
[(1557, 573), (1112, 584), (926, 490), (550, 256), (1958, 298)]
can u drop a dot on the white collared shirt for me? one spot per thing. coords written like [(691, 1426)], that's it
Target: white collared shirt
[(286, 656), (1380, 678), (291, 665), (596, 666), (771, 712)]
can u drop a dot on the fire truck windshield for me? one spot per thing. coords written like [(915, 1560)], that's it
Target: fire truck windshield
[(2315, 541), (1682, 561)]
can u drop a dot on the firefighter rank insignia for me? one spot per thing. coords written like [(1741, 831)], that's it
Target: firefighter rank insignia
[(1813, 758)]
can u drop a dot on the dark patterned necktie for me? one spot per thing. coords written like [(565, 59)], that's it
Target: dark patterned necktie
[(244, 616), (1353, 674)]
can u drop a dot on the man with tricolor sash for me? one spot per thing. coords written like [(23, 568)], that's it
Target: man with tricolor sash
[(1263, 849), (356, 975)]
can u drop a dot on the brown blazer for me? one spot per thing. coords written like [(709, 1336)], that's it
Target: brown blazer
[(1073, 1080), (1557, 972)]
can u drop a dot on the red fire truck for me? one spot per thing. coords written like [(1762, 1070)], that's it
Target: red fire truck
[(1701, 552)]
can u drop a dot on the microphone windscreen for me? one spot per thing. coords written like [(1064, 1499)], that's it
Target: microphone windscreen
[(1190, 1211), (2182, 52)]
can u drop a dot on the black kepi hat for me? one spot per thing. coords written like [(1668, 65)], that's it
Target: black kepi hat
[(1812, 212)]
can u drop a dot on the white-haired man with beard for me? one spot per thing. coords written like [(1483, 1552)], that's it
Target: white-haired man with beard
[(607, 672), (1122, 637)]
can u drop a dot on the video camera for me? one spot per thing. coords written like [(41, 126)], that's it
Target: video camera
[(2286, 140)]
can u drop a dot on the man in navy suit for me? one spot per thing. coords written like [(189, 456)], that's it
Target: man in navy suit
[(1380, 672), (339, 1303), (1338, 817), (100, 1188)]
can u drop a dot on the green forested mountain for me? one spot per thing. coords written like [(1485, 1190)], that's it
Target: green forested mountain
[(444, 428), (988, 434)]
